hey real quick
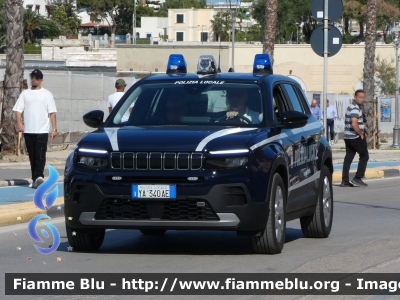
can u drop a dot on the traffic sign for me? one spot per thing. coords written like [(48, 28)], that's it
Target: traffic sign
[(334, 40), (335, 8)]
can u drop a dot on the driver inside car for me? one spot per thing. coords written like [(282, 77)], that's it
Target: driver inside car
[(237, 102), (176, 109)]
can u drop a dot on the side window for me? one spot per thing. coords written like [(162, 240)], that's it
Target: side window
[(303, 100), (294, 99), (280, 104)]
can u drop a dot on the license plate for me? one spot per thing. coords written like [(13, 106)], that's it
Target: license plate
[(154, 191)]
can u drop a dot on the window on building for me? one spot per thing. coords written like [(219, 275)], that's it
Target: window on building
[(180, 19), (179, 36), (204, 37), (148, 35)]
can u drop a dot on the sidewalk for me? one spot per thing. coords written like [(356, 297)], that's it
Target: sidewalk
[(16, 170)]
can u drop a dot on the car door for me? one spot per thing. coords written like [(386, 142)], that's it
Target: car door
[(291, 142), (305, 153), (312, 132)]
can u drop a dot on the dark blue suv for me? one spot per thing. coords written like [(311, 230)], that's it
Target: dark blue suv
[(210, 151)]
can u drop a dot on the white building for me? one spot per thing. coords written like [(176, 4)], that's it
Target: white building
[(42, 7), (152, 27), (190, 25)]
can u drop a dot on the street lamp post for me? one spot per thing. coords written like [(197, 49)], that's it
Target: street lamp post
[(396, 128), (233, 14), (134, 22)]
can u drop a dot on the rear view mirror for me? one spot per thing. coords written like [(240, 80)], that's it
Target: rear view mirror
[(294, 119), (94, 118)]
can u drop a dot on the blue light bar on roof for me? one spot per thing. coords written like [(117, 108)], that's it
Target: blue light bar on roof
[(176, 64), (262, 64)]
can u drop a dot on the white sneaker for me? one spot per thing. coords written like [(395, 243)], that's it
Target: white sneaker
[(32, 185), (39, 181)]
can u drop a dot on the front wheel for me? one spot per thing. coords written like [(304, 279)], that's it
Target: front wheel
[(83, 240), (271, 239), (319, 225)]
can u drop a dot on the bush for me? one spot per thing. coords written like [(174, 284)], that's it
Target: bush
[(32, 49)]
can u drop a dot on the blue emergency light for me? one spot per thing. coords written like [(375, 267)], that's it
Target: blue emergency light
[(262, 64), (176, 64)]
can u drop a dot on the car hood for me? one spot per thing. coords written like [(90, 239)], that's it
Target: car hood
[(175, 138)]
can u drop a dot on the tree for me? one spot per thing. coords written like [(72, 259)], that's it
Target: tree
[(271, 19), (108, 10), (3, 27), (387, 12), (221, 25), (124, 22), (290, 13), (49, 30), (66, 24), (32, 21), (369, 67), (386, 72), (14, 73)]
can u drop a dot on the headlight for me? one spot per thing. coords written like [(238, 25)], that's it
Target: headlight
[(226, 163), (93, 162)]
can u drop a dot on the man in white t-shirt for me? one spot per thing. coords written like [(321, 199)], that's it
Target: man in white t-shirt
[(113, 99), (39, 110), (237, 101)]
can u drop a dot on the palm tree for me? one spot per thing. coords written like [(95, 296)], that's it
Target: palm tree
[(32, 22), (369, 68), (271, 19), (14, 75)]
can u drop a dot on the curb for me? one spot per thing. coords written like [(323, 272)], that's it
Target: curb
[(19, 182), (23, 212), (369, 174)]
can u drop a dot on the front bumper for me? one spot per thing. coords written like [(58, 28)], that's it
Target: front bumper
[(220, 203), (225, 220)]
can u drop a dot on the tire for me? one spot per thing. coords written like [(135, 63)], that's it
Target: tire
[(272, 239), (153, 231), (319, 225), (85, 240)]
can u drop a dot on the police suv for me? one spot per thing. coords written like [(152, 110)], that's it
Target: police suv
[(206, 151)]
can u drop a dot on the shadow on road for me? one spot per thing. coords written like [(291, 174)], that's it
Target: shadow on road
[(180, 243)]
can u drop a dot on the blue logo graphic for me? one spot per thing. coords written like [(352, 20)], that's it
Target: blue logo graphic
[(52, 192), (45, 187), (34, 235)]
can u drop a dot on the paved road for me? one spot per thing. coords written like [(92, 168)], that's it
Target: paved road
[(19, 194), (365, 238), (9, 174)]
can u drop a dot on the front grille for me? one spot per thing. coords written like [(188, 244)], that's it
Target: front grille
[(179, 210), (154, 161)]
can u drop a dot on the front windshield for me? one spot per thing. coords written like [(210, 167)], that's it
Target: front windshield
[(191, 103)]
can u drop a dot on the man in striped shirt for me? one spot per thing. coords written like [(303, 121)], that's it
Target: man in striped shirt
[(355, 141)]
